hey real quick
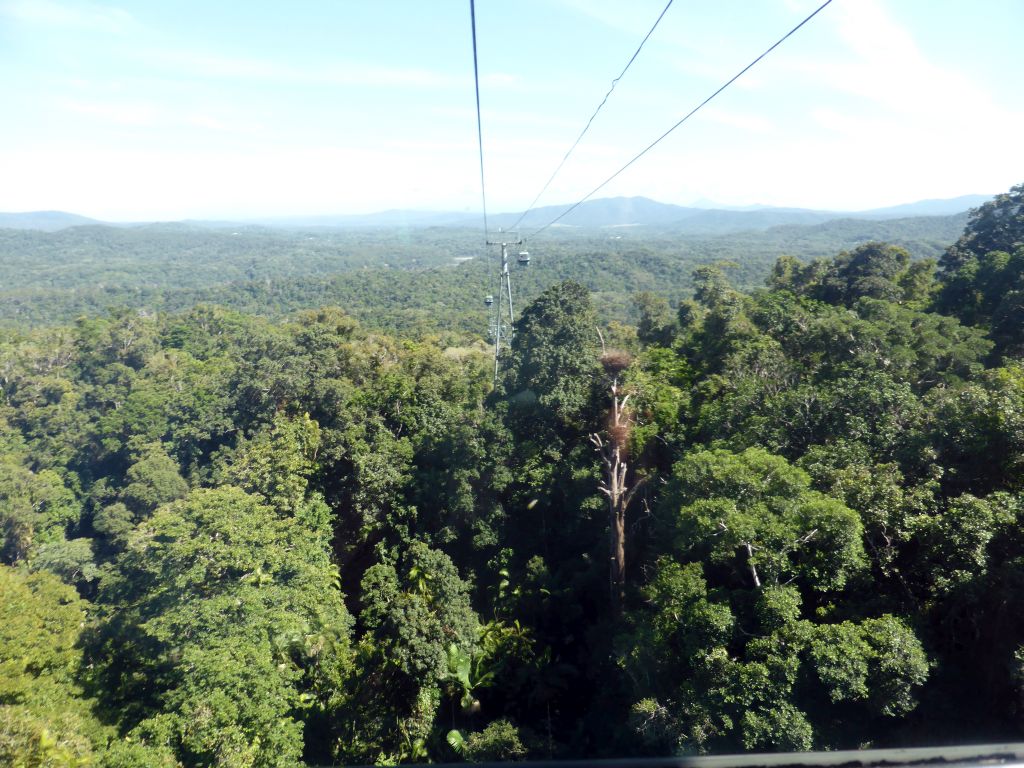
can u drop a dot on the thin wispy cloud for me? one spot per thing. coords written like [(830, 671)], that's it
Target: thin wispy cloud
[(338, 73), (911, 97)]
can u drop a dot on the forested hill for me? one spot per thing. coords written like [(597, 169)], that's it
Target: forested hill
[(781, 519), (405, 280)]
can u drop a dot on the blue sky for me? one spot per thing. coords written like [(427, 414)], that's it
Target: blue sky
[(167, 110)]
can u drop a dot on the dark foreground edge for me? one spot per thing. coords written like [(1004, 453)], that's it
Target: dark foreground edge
[(964, 756)]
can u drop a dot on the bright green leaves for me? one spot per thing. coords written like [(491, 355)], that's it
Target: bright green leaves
[(957, 543), (40, 621), (416, 610), (877, 663), (887, 502), (779, 727), (45, 720), (735, 647), (554, 358), (739, 477), (897, 664), (872, 270), (234, 616), (983, 272), (764, 679), (421, 637), (28, 740), (212, 539), (499, 741), (685, 625), (469, 672), (756, 515), (998, 225), (978, 431), (277, 463), (36, 508), (839, 654), (661, 381)]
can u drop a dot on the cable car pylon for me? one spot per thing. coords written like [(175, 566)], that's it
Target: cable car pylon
[(503, 333)]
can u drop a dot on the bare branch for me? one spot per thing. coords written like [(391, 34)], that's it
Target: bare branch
[(753, 568), (628, 496), (806, 537)]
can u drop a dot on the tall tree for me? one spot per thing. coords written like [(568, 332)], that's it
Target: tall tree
[(554, 359), (223, 628), (997, 225)]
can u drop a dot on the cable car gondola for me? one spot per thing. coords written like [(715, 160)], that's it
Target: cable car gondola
[(524, 258), (488, 299)]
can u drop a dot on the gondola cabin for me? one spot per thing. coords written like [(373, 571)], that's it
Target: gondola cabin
[(488, 300), (524, 258)]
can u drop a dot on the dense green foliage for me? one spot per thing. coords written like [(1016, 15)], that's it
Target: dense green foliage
[(406, 281), (258, 541)]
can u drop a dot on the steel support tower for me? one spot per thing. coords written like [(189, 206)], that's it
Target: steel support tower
[(503, 332)]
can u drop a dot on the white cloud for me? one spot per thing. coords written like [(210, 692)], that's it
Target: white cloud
[(357, 74), (883, 64), (874, 122)]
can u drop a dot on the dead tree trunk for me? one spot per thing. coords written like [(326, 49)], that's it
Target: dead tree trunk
[(614, 454)]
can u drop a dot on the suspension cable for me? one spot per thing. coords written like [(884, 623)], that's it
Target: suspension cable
[(591, 120), (479, 127), (690, 114)]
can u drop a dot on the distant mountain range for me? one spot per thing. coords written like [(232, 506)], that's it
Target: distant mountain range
[(46, 221), (642, 211), (605, 213), (928, 207)]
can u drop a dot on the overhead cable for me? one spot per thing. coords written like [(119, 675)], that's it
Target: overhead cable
[(690, 114), (479, 128), (591, 120)]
